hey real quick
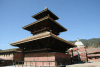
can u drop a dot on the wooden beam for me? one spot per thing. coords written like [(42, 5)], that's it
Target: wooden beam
[(38, 30), (52, 42), (30, 46), (42, 41), (37, 45), (55, 46), (48, 43)]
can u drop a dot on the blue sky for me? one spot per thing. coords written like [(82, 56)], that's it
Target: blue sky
[(80, 17)]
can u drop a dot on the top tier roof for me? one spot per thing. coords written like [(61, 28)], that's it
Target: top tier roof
[(44, 13)]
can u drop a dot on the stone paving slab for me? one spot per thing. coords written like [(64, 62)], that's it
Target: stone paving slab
[(91, 64)]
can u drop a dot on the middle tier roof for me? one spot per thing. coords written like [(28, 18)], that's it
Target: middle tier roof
[(45, 22)]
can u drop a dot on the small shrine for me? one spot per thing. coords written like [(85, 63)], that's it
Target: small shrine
[(78, 53), (79, 43), (45, 45)]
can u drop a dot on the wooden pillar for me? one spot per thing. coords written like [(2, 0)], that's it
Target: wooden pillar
[(72, 55), (22, 63), (78, 55), (35, 63), (43, 64), (86, 55), (26, 63), (30, 63), (55, 63), (15, 63), (49, 63), (18, 63)]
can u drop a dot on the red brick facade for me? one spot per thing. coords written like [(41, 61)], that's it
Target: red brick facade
[(58, 57), (82, 54), (18, 56)]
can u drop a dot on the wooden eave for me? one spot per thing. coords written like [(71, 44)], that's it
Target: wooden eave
[(93, 55), (47, 17), (31, 38), (93, 50), (36, 16), (40, 36), (10, 50), (41, 50), (52, 35)]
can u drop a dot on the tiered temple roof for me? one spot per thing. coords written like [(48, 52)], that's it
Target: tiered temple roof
[(45, 31), (46, 22)]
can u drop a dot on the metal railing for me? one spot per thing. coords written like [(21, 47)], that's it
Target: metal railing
[(42, 63)]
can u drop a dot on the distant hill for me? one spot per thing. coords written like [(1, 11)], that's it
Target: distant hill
[(94, 42)]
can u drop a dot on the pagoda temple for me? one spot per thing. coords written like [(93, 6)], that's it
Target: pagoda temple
[(45, 45)]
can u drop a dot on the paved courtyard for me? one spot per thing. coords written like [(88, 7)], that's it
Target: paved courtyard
[(89, 64)]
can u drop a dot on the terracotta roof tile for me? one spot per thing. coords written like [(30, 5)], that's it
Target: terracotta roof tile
[(11, 50)]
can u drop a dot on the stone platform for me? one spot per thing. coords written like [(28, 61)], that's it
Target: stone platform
[(47, 59)]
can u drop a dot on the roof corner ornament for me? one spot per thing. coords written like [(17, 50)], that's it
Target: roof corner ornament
[(50, 31)]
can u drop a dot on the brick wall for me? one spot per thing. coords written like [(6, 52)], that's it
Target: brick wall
[(62, 58), (82, 53), (40, 57), (18, 56), (59, 57)]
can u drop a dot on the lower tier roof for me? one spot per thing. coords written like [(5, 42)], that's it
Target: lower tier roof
[(43, 40)]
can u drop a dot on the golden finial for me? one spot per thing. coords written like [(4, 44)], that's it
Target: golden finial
[(46, 7), (78, 40)]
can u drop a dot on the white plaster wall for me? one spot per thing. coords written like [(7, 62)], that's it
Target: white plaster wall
[(7, 56)]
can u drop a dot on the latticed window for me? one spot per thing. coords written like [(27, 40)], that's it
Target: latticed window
[(9, 54), (90, 57), (96, 57)]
